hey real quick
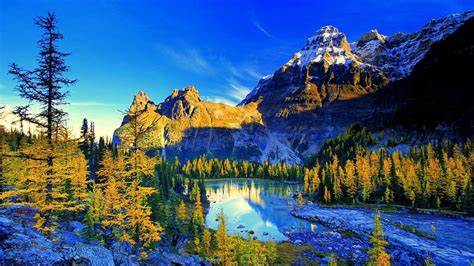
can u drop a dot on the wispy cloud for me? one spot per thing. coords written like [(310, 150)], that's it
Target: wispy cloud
[(90, 104), (234, 93), (188, 59), (263, 30), (218, 99), (245, 71), (237, 91)]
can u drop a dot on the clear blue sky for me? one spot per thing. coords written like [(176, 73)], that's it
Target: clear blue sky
[(222, 47)]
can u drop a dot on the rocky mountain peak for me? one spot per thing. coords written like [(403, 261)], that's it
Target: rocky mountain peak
[(323, 71), (181, 103), (372, 35), (328, 44), (140, 100), (188, 94)]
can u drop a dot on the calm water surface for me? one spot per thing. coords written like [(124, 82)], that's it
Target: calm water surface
[(259, 205)]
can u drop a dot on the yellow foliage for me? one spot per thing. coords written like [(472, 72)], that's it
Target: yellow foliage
[(300, 200), (181, 212), (198, 215), (125, 209), (52, 189), (207, 239)]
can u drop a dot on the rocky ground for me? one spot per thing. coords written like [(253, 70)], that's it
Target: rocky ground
[(21, 244), (330, 243), (450, 244)]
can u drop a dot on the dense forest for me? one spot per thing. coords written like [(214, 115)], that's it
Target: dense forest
[(435, 175)]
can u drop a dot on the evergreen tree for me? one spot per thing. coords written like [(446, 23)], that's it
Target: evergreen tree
[(94, 214), (198, 215), (350, 180), (181, 212), (84, 143), (223, 247), (44, 86), (207, 239), (378, 255)]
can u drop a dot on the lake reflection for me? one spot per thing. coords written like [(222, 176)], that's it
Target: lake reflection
[(259, 205)]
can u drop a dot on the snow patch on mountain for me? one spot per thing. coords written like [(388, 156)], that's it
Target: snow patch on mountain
[(397, 54), (327, 44)]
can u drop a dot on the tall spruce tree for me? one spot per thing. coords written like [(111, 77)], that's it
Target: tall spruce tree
[(378, 255), (84, 143), (44, 85)]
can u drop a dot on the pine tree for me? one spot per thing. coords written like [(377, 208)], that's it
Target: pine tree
[(364, 175), (378, 255), (198, 216), (44, 86), (327, 195), (140, 166), (207, 239), (388, 196), (306, 180), (94, 214), (197, 245), (350, 180), (315, 180), (84, 143), (139, 225), (181, 212), (222, 240)]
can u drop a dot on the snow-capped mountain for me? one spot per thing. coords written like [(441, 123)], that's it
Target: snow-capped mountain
[(327, 44), (396, 55), (323, 71)]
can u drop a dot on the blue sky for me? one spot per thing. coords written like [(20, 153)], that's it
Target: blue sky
[(222, 47)]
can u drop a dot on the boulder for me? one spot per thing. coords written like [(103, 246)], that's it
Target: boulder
[(92, 255)]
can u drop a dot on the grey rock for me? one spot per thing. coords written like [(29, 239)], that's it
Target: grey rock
[(167, 258), (121, 253), (94, 255), (76, 226)]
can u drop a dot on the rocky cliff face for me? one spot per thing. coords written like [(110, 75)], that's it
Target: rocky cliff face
[(325, 87), (186, 126)]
